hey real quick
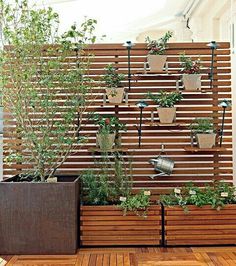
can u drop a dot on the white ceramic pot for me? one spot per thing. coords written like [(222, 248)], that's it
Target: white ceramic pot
[(206, 141), (166, 115), (115, 95), (156, 62), (192, 81), (106, 141)]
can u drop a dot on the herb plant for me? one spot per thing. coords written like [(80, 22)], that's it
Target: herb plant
[(36, 77), (112, 78), (138, 203), (188, 65), (217, 194), (165, 99), (202, 126), (107, 123), (158, 47)]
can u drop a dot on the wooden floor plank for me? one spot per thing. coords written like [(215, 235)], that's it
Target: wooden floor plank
[(139, 256)]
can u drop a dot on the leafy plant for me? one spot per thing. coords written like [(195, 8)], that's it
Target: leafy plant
[(107, 123), (202, 126), (188, 65), (33, 67), (107, 181), (165, 99), (216, 194), (138, 203), (158, 47), (112, 78)]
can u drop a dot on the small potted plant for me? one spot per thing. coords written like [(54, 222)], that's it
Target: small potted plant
[(166, 102), (191, 72), (156, 57), (109, 126), (114, 90), (203, 130)]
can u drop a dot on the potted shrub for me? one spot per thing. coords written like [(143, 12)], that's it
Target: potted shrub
[(166, 102), (156, 56), (109, 127), (191, 73), (114, 90), (38, 206), (200, 216), (110, 214), (203, 130)]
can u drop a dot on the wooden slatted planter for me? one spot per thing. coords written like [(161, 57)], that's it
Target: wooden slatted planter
[(200, 226), (107, 226)]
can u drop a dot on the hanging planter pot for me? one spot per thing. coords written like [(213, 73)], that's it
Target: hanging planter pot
[(1, 119), (156, 62), (192, 81), (106, 141), (115, 95), (166, 115), (206, 140)]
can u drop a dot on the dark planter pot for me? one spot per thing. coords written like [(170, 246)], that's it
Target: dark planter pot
[(39, 218)]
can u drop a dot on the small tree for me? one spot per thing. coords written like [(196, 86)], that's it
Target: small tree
[(43, 89)]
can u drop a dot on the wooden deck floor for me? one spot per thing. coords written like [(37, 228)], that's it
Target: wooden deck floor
[(219, 256)]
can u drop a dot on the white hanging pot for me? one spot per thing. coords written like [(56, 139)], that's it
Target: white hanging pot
[(115, 95), (156, 62), (206, 141), (166, 115), (1, 119), (106, 141), (192, 81)]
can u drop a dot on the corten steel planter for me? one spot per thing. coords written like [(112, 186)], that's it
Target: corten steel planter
[(192, 81), (200, 226), (166, 115), (156, 62), (115, 95), (39, 218), (206, 140), (107, 226)]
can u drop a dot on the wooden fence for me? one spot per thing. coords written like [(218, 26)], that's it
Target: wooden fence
[(199, 167)]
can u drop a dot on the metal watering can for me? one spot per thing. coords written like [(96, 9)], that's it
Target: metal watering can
[(162, 164)]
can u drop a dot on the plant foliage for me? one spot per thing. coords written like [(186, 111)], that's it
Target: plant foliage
[(217, 194), (202, 126), (112, 78), (158, 47), (34, 76), (165, 99), (188, 65)]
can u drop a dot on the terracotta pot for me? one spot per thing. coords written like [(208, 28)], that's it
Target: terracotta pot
[(206, 140), (156, 62), (115, 95), (192, 81), (106, 141), (166, 115)]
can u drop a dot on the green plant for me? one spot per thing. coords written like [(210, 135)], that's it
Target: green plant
[(112, 78), (188, 65), (165, 99), (32, 67), (107, 123), (158, 47), (138, 203), (202, 126), (109, 180), (216, 194)]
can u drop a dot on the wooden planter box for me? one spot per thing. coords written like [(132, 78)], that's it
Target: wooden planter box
[(39, 218), (200, 226), (107, 226)]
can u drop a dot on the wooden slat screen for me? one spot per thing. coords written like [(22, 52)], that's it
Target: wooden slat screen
[(199, 167)]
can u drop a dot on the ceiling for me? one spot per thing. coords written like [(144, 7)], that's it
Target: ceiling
[(119, 20)]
